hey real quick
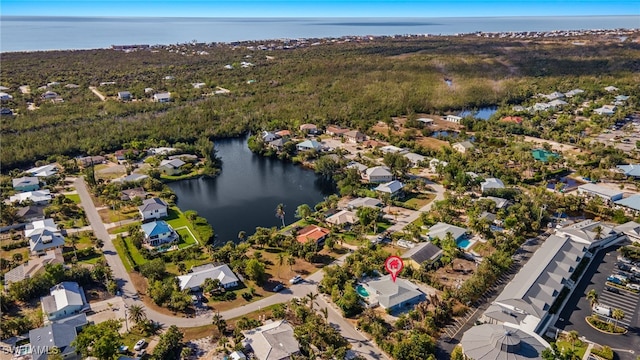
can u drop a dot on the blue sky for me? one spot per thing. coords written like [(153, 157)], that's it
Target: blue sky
[(308, 8)]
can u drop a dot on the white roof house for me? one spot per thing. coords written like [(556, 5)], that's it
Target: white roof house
[(272, 341), (415, 159), (43, 235), (65, 299), (463, 147), (557, 103), (393, 295), (162, 97), (434, 163), (605, 110), (392, 187), (440, 231), (37, 196), (606, 193), (309, 145), (366, 202), (343, 217), (378, 174), (491, 183), (391, 149), (26, 183), (43, 171), (573, 92), (194, 280), (554, 95), (453, 118), (611, 88), (358, 166)]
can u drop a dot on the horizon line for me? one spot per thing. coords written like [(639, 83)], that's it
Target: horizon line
[(317, 17)]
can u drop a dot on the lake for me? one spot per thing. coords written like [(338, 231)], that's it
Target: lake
[(482, 113), (248, 190)]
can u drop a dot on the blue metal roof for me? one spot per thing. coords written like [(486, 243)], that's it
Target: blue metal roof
[(632, 202), (155, 228), (630, 170)]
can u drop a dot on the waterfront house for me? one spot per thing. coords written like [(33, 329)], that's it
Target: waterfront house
[(313, 233), (43, 235), (354, 136), (365, 201), (124, 95), (158, 232), (268, 136), (342, 218), (361, 168), (154, 208), (309, 129), (26, 183), (162, 97), (491, 184), (65, 299), (463, 147), (392, 188), (605, 193), (378, 174), (453, 118), (277, 144), (171, 167), (423, 253), (194, 280), (130, 194), (393, 296), (274, 340), (309, 145), (44, 170), (38, 197), (285, 134)]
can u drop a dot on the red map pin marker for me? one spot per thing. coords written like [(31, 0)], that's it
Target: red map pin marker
[(394, 265)]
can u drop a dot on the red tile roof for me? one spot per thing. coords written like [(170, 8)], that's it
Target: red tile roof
[(311, 232), (512, 119)]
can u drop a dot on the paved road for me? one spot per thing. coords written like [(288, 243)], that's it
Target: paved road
[(361, 344)]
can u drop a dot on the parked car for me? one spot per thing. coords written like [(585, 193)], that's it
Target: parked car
[(615, 279), (296, 279), (602, 310), (624, 266), (633, 287), (140, 344), (142, 353), (612, 289), (278, 287)]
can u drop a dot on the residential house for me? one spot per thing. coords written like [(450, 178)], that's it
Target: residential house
[(632, 170), (313, 233), (557, 103), (171, 167), (154, 208), (309, 145), (237, 355), (43, 171), (426, 121), (132, 178), (268, 136), (500, 202), (309, 129), (26, 183), (361, 168), (130, 194), (363, 202), (512, 119), (354, 136), (6, 112), (162, 97), (148, 90), (491, 184), (163, 150), (541, 107), (463, 147), (607, 194), (392, 295), (415, 159), (611, 88), (65, 299), (124, 95), (199, 85), (453, 118), (274, 340), (43, 235), (277, 144), (378, 174), (87, 161), (423, 253), (283, 134), (493, 342), (31, 213), (392, 188), (59, 335), (34, 266), (334, 130), (392, 149), (631, 204), (195, 278), (434, 164), (121, 155), (342, 218), (573, 93), (158, 232), (554, 96), (488, 217), (50, 95), (621, 98), (5, 97), (605, 110), (440, 231), (38, 197)]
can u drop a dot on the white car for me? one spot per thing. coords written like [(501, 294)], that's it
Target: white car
[(296, 279), (139, 345)]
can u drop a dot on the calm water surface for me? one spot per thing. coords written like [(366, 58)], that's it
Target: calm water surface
[(247, 191)]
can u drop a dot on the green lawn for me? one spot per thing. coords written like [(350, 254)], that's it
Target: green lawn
[(186, 239), (418, 200), (580, 347), (135, 254), (190, 175), (350, 238), (91, 260), (119, 245), (188, 263), (73, 197)]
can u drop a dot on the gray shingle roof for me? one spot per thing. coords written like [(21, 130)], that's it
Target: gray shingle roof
[(152, 204), (198, 275), (272, 341), (441, 229), (423, 252), (25, 181), (58, 334), (392, 293), (499, 342)]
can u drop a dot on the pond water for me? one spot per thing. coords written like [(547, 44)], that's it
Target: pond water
[(248, 190), (483, 113)]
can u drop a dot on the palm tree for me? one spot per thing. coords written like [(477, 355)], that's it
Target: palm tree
[(592, 296), (280, 212), (280, 258), (242, 235), (185, 353), (291, 261), (573, 337), (137, 314), (617, 314), (325, 313), (219, 323), (599, 231), (312, 297)]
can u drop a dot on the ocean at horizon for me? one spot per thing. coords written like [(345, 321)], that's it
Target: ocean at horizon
[(38, 33)]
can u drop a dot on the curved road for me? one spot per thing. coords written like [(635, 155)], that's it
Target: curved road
[(360, 344)]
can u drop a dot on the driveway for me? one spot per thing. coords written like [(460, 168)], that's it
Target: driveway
[(402, 222)]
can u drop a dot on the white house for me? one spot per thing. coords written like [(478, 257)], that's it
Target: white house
[(162, 97), (416, 159), (43, 171), (573, 93), (605, 110), (392, 188), (309, 145), (378, 174), (43, 235), (391, 149), (463, 147), (171, 167), (435, 163), (195, 278), (607, 194), (274, 340), (453, 118), (268, 136), (38, 197), (154, 208), (158, 232), (490, 184), (611, 88), (342, 218), (26, 183), (65, 299)]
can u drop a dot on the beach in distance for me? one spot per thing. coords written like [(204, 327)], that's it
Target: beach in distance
[(38, 33)]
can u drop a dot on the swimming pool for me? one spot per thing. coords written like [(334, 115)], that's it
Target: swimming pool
[(362, 291), (464, 243)]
